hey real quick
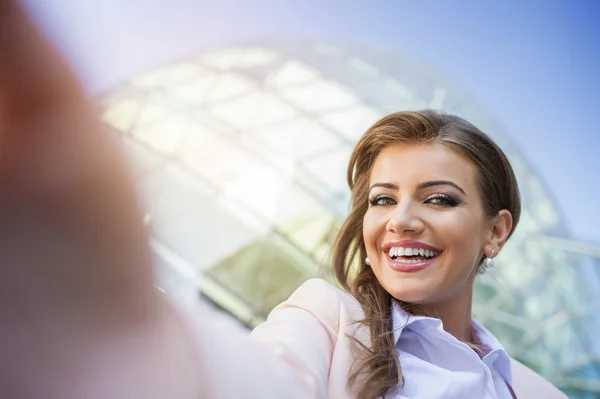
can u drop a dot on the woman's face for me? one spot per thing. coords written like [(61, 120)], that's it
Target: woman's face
[(425, 228)]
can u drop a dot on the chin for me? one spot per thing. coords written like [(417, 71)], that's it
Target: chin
[(409, 289), (412, 296)]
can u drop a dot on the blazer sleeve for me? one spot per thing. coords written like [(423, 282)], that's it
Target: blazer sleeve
[(301, 332), (287, 356), (530, 385)]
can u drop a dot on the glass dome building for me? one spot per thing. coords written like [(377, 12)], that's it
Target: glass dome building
[(240, 156)]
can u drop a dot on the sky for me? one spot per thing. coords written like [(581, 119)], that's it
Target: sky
[(533, 65)]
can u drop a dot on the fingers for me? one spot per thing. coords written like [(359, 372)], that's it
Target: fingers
[(71, 239), (75, 274), (32, 75)]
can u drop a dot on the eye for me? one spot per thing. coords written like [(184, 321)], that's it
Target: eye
[(382, 200), (444, 200)]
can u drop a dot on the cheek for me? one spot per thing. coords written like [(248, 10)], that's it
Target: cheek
[(464, 236), (371, 229), (366, 229), (456, 226)]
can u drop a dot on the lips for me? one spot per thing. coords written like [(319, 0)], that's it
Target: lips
[(410, 255)]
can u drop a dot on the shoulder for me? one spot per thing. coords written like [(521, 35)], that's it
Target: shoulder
[(312, 293), (307, 332), (324, 302), (322, 298), (528, 384)]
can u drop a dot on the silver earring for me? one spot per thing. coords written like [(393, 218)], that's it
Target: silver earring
[(488, 262), (367, 261)]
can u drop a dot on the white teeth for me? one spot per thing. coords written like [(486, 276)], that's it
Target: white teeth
[(401, 251), (408, 261)]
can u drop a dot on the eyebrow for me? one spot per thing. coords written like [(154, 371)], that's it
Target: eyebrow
[(434, 183), (421, 186), (390, 186)]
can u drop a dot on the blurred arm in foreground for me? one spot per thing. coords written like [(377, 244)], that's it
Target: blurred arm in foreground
[(79, 313)]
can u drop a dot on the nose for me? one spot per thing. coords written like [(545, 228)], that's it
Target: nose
[(404, 220)]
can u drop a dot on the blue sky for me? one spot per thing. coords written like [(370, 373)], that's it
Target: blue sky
[(533, 65)]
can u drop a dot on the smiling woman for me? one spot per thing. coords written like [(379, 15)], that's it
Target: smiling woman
[(435, 197), (433, 201)]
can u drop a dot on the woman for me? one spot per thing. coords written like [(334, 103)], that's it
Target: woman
[(432, 200)]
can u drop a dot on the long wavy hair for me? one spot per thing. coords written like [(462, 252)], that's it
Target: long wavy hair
[(377, 370)]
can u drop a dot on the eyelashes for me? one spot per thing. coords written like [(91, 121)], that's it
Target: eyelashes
[(443, 200), (437, 199), (382, 200)]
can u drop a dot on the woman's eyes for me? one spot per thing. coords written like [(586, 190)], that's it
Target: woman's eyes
[(442, 200), (438, 199), (382, 200)]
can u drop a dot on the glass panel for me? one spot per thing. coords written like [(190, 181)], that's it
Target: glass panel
[(259, 276), (121, 114), (221, 161), (295, 205), (353, 122), (228, 86), (171, 74), (292, 140), (198, 149), (195, 91), (319, 96), (271, 110), (308, 232), (163, 135), (330, 168), (253, 110), (291, 73), (152, 113), (193, 223)]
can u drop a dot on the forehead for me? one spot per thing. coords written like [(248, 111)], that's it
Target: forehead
[(418, 163)]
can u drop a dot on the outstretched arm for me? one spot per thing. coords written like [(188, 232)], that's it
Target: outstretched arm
[(65, 195), (79, 314), (80, 317)]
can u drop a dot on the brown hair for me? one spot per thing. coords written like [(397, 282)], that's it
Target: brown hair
[(377, 367)]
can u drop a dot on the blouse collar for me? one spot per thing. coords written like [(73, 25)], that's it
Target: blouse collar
[(495, 356)]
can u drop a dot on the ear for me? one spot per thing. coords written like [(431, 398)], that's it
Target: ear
[(500, 228)]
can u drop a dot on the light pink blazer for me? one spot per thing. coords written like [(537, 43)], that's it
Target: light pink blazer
[(303, 350)]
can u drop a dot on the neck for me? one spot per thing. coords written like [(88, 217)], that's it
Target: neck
[(455, 314)]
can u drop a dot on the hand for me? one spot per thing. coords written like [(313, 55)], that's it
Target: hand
[(76, 283), (68, 211)]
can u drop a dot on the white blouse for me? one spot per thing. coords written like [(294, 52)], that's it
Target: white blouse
[(437, 365)]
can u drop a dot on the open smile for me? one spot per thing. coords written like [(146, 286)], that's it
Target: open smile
[(410, 256)]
